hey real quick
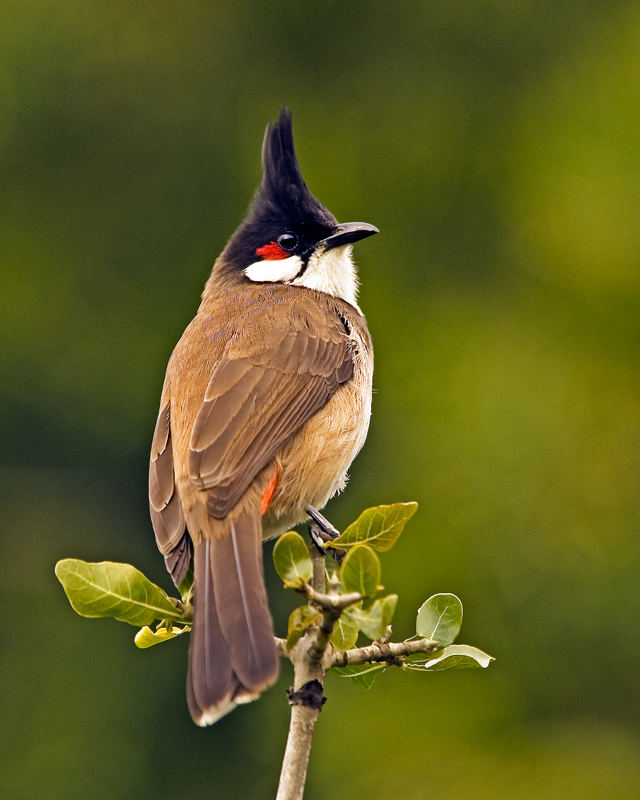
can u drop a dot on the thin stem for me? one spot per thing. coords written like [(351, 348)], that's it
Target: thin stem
[(319, 580), (185, 608), (332, 601), (390, 652)]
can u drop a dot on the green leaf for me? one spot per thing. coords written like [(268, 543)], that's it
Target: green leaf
[(456, 656), (108, 589), (440, 618), (147, 638), (374, 621), (362, 674), (379, 527), (186, 587), (300, 619), (361, 571), (346, 628), (292, 560)]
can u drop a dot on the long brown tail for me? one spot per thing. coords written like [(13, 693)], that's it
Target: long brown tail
[(232, 654)]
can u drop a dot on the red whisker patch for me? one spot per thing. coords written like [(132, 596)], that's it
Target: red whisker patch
[(272, 252)]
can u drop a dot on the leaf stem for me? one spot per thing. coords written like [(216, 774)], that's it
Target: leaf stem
[(185, 608)]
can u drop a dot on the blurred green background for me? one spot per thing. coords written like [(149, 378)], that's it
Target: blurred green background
[(496, 144)]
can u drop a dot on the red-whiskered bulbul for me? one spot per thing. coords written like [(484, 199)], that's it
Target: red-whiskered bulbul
[(265, 404)]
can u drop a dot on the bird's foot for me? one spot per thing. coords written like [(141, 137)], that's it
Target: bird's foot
[(323, 523), (322, 532)]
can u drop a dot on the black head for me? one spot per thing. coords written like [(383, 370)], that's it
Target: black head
[(285, 219)]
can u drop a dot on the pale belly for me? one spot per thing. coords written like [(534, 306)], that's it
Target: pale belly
[(313, 473)]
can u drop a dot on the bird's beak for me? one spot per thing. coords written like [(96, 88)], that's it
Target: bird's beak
[(347, 233)]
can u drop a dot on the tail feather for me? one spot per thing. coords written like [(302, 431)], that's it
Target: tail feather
[(241, 600), (210, 682), (232, 654)]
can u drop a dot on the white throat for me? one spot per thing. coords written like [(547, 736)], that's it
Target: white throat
[(332, 272)]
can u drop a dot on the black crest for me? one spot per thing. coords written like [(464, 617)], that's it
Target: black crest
[(283, 187), (283, 201)]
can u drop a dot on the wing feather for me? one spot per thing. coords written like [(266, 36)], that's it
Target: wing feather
[(164, 503), (255, 402)]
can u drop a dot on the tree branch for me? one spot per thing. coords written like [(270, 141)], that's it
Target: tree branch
[(311, 657), (389, 652)]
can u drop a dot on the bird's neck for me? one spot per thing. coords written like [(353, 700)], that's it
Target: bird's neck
[(331, 272)]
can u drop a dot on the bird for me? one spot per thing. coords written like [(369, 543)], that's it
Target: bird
[(266, 402)]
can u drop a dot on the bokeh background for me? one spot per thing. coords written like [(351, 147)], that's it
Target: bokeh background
[(496, 144)]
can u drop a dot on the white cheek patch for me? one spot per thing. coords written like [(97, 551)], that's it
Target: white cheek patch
[(276, 271)]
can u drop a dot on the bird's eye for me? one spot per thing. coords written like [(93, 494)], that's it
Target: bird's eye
[(287, 241)]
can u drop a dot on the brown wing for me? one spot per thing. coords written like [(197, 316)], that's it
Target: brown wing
[(164, 504), (256, 401)]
